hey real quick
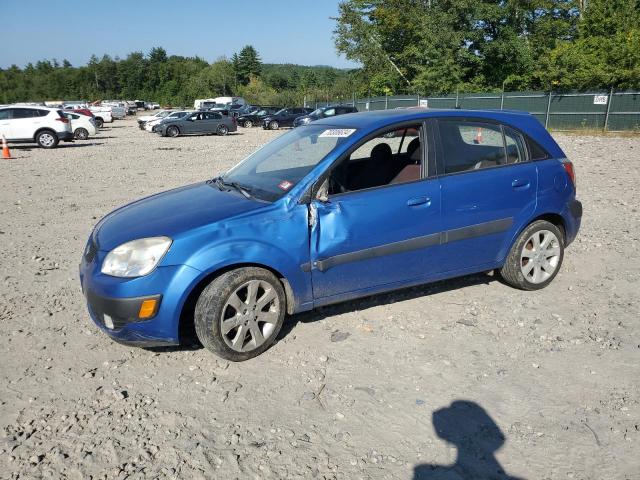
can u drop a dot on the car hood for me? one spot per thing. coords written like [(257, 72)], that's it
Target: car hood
[(170, 213)]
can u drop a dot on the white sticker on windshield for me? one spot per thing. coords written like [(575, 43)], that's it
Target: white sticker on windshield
[(337, 133)]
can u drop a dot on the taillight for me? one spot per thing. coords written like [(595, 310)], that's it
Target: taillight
[(568, 166), (63, 120)]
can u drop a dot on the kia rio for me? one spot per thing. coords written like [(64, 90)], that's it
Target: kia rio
[(344, 207)]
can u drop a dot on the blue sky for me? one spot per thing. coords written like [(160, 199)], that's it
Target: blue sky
[(283, 31)]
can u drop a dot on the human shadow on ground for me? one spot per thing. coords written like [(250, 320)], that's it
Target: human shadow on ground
[(469, 427)]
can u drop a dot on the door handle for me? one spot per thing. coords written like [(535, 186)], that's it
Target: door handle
[(521, 184), (415, 202)]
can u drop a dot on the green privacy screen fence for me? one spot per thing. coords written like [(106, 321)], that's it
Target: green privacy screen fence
[(607, 111)]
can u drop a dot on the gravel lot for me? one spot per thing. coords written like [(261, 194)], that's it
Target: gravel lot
[(546, 383)]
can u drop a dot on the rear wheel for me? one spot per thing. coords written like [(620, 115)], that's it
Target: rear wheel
[(47, 139), (173, 131), (248, 124), (99, 122), (535, 258), (239, 314), (274, 125), (223, 130), (81, 133)]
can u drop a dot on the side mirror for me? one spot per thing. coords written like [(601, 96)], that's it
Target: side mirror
[(322, 195)]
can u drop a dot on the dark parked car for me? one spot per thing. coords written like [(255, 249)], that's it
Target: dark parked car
[(324, 112), (284, 118), (329, 212), (255, 118), (198, 123)]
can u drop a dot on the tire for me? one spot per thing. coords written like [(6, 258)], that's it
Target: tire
[(222, 130), (247, 124), (273, 125), (214, 308), (47, 139), (173, 131), (535, 258), (99, 122), (81, 133)]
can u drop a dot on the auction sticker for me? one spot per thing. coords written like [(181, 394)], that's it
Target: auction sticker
[(285, 185), (337, 133)]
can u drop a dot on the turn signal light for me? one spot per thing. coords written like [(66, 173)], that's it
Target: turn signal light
[(148, 308)]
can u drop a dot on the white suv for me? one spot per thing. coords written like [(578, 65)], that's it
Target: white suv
[(45, 126)]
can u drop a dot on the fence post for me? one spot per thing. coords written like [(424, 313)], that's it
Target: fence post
[(418, 100), (546, 119), (386, 101), (354, 99), (457, 94), (606, 115), (502, 97)]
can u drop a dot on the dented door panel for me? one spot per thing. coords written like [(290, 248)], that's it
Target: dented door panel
[(375, 237)]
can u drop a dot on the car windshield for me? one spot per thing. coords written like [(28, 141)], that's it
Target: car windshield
[(260, 112), (281, 111), (277, 167), (317, 112), (162, 114)]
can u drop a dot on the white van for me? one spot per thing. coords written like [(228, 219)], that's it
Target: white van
[(209, 103)]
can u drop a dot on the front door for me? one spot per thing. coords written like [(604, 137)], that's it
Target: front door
[(488, 189), (379, 224)]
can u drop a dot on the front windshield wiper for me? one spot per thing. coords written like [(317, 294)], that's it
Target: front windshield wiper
[(226, 186)]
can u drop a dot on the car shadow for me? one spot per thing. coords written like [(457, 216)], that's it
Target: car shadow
[(468, 427), (189, 339), (28, 148), (389, 298)]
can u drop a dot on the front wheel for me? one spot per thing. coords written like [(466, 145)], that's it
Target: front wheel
[(81, 133), (47, 139), (535, 258), (248, 124), (274, 125), (239, 314), (223, 130), (173, 132)]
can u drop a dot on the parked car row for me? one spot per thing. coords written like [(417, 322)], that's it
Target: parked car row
[(273, 118)]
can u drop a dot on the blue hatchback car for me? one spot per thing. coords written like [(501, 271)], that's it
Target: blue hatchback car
[(345, 207)]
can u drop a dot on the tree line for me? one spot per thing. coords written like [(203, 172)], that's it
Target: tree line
[(440, 46), (402, 46), (173, 80)]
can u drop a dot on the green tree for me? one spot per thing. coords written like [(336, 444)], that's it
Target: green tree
[(247, 64)]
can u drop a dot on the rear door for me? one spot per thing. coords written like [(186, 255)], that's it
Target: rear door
[(488, 188), (24, 123)]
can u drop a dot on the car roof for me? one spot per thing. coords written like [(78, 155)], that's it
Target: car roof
[(381, 118)]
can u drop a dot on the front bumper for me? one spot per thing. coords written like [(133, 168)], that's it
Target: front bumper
[(121, 298)]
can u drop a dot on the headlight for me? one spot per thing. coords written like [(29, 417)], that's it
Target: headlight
[(136, 258)]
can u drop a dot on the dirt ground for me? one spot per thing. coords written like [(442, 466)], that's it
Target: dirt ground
[(413, 384)]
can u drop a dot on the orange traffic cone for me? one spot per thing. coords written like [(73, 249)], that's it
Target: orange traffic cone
[(6, 154), (478, 138)]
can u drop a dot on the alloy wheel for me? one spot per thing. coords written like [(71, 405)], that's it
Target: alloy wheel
[(540, 256), (250, 315)]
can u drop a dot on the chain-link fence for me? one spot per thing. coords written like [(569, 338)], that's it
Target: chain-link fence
[(607, 111)]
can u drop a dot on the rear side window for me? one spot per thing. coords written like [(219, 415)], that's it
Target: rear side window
[(536, 152), (470, 145), (41, 113), (23, 113)]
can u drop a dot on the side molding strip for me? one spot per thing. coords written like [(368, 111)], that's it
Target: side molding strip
[(464, 233)]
